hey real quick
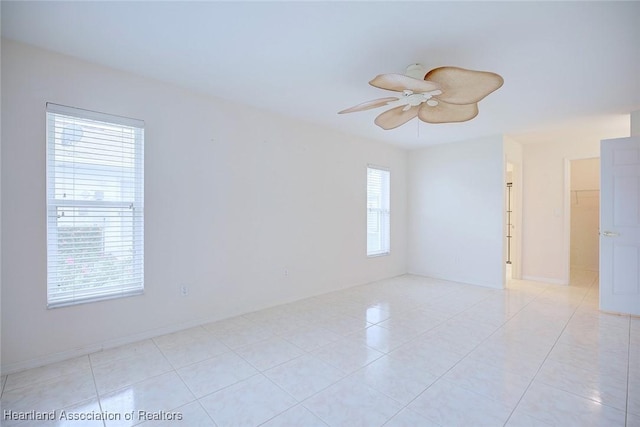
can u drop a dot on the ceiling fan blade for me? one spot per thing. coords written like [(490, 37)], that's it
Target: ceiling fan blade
[(395, 117), (462, 86), (400, 82), (447, 113), (369, 105)]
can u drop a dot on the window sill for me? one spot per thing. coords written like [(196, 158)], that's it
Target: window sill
[(378, 255)]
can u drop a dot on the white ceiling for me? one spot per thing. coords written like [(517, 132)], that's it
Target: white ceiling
[(567, 66)]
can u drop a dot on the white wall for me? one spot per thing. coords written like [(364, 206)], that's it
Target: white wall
[(585, 213), (234, 196), (456, 211), (545, 240)]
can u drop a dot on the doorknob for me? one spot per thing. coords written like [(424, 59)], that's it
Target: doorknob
[(610, 234)]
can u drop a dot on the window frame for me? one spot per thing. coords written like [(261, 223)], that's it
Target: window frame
[(383, 211), (72, 295)]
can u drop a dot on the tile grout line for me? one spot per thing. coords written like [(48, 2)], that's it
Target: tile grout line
[(351, 374), (175, 371), (95, 386), (626, 403), (4, 381), (298, 402), (584, 296), (285, 391), (540, 293), (466, 355), (190, 364), (579, 395), (262, 372)]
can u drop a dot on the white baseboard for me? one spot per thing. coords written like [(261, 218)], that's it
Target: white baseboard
[(545, 280), (459, 280), (10, 368), (37, 362)]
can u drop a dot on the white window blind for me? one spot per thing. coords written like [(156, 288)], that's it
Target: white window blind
[(378, 213), (95, 206)]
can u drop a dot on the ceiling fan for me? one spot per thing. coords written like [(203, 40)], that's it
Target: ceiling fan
[(442, 95)]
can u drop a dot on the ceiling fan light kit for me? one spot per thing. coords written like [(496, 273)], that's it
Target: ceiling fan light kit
[(442, 95)]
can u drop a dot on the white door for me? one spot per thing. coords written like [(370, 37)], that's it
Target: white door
[(620, 225)]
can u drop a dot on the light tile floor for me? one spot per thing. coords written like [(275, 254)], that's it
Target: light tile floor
[(408, 351)]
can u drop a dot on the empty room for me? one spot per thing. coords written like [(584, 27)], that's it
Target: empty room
[(368, 213)]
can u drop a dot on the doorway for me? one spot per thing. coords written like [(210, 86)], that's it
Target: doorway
[(584, 215)]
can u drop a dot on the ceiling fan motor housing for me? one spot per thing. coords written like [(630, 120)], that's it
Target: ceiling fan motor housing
[(417, 71)]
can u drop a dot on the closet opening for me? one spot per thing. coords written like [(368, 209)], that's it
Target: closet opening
[(584, 215)]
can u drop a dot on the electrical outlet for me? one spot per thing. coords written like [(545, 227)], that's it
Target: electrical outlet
[(184, 291), (286, 271)]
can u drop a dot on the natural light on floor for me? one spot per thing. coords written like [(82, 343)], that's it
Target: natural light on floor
[(408, 351)]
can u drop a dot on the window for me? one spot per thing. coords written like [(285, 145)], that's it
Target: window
[(94, 206), (378, 240)]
